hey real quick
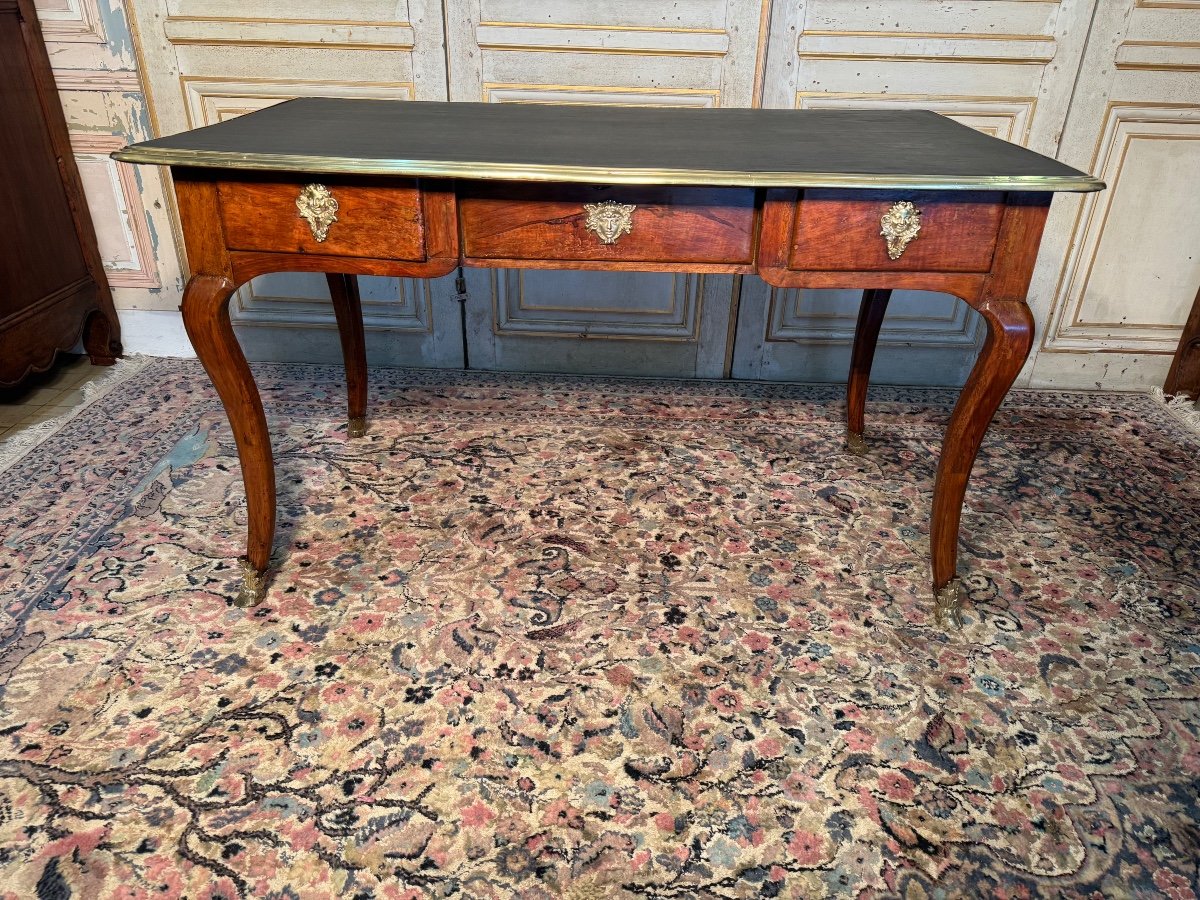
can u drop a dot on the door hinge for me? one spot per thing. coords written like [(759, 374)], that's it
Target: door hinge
[(460, 287)]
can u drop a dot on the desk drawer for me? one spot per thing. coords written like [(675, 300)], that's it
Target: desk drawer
[(503, 221), (838, 230), (379, 218)]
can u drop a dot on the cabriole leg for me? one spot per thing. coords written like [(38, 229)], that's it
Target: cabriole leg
[(206, 318), (866, 335), (1009, 339), (347, 307)]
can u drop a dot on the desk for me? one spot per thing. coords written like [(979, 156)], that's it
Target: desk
[(820, 199)]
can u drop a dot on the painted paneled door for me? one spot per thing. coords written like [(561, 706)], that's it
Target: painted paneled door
[(209, 60), (1006, 67), (692, 53), (95, 69), (1119, 269)]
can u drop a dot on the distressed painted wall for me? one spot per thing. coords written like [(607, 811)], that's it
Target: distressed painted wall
[(95, 65)]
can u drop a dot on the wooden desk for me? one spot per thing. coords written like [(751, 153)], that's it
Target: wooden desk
[(819, 199)]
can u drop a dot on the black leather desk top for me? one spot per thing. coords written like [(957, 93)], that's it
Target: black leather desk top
[(620, 145)]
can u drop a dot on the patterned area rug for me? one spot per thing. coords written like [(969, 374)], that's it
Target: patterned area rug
[(559, 637)]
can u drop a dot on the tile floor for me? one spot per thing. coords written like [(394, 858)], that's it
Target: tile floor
[(45, 395)]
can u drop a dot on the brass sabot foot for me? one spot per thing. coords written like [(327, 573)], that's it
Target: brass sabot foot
[(947, 606), (356, 427), (855, 443), (254, 586)]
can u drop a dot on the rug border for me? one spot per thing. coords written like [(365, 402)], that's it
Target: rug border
[(19, 445), (1181, 407)]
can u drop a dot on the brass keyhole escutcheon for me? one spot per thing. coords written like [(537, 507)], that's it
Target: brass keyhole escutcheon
[(318, 207), (609, 220), (899, 226)]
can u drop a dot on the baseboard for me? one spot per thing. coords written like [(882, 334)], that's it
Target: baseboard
[(155, 332)]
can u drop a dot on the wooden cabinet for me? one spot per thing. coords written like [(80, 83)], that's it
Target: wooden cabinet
[(52, 284)]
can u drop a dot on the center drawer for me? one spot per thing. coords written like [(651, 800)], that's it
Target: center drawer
[(502, 221)]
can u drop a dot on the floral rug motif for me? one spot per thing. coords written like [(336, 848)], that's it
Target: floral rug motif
[(547, 637)]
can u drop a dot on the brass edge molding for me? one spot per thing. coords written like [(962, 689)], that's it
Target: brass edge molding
[(165, 156)]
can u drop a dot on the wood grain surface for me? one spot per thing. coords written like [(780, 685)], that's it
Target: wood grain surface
[(837, 230), (206, 318), (1184, 375), (548, 222), (871, 311), (1009, 340), (375, 218)]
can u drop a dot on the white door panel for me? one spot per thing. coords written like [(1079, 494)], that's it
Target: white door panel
[(208, 61), (695, 53), (95, 68), (1004, 67), (1119, 269), (620, 323)]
